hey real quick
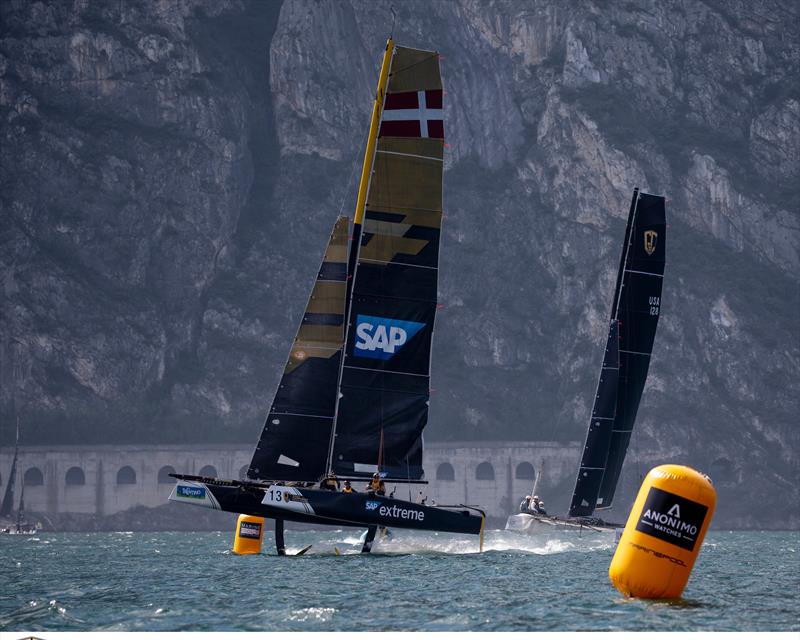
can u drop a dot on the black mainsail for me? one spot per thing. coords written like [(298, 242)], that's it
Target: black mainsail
[(634, 319), (385, 381)]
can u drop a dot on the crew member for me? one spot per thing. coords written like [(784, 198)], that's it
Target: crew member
[(329, 483), (537, 506), (347, 487), (525, 504), (376, 485)]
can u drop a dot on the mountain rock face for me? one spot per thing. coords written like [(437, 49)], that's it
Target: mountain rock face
[(170, 172)]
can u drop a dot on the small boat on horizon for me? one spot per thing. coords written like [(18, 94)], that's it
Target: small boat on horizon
[(16, 526)]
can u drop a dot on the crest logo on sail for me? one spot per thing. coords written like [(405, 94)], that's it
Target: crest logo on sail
[(650, 240), (381, 338)]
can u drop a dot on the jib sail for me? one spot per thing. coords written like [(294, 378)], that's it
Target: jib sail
[(385, 378), (294, 442), (634, 319)]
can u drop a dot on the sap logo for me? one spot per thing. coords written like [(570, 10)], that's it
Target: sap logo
[(371, 506), (197, 493), (381, 337)]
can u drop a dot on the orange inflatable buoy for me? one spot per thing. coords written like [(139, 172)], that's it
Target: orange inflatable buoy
[(664, 533), (249, 535)]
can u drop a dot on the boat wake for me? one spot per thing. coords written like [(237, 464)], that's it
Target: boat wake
[(404, 542)]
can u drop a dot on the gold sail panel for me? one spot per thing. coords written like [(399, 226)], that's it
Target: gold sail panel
[(405, 183), (414, 69), (321, 332)]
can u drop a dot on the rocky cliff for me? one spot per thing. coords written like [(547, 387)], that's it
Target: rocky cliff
[(170, 172)]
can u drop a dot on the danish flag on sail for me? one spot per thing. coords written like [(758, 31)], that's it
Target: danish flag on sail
[(413, 114)]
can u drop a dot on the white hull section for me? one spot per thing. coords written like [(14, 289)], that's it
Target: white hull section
[(533, 525), (190, 492)]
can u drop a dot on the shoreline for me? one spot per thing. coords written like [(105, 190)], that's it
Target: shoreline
[(177, 518)]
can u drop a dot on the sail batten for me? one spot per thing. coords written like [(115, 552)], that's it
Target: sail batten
[(634, 319)]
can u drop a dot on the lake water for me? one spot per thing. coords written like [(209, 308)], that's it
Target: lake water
[(418, 581)]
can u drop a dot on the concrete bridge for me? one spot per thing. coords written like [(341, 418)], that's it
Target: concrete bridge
[(106, 479)]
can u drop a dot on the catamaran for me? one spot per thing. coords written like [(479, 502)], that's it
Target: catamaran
[(354, 396), (634, 318)]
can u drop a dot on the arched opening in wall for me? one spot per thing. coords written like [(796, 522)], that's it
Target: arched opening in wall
[(75, 477), (525, 471), (484, 471), (163, 474), (722, 470), (446, 472), (126, 475), (208, 471), (33, 477), (243, 472)]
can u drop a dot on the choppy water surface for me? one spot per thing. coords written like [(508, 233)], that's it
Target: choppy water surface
[(418, 581)]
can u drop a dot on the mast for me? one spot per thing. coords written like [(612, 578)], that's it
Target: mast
[(535, 490), (366, 167), (358, 218)]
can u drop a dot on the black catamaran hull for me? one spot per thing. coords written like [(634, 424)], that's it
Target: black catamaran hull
[(315, 506)]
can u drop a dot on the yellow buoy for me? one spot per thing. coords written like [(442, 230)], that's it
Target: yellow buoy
[(664, 533), (249, 534)]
